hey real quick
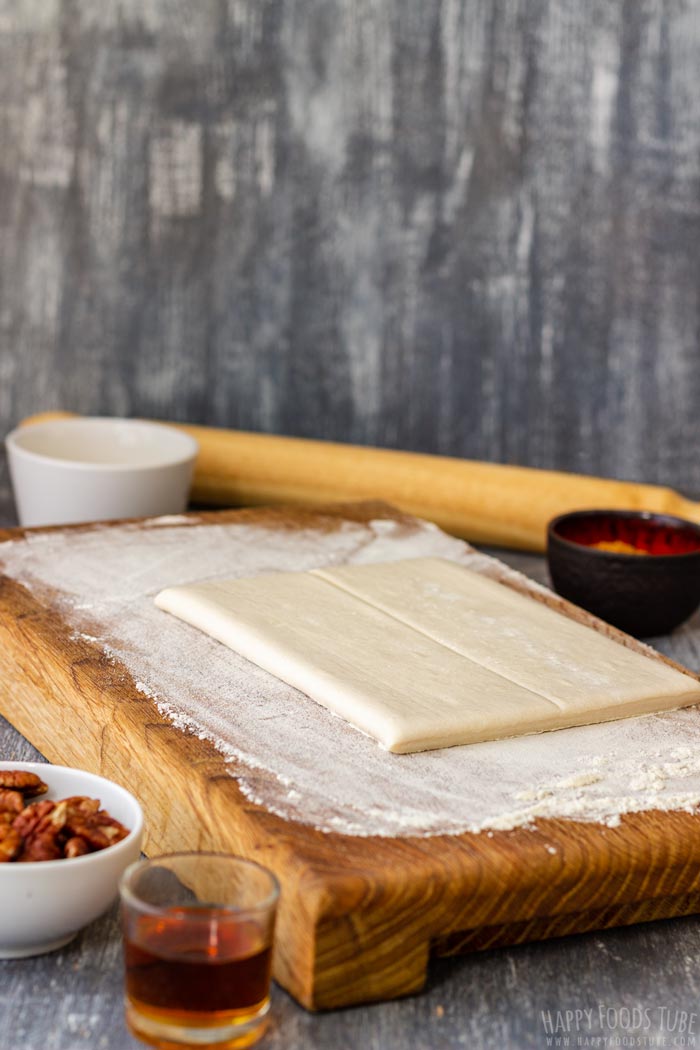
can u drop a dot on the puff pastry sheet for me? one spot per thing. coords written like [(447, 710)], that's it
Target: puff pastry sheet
[(425, 653)]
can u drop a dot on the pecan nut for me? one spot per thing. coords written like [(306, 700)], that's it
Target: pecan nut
[(47, 830), (40, 832), (21, 780), (98, 829), (27, 821), (10, 843), (76, 847), (11, 801)]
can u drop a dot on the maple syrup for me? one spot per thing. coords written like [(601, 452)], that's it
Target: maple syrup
[(196, 967)]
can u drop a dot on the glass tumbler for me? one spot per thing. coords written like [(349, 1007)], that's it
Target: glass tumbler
[(198, 931)]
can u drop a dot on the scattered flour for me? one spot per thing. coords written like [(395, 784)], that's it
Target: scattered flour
[(169, 519), (294, 756)]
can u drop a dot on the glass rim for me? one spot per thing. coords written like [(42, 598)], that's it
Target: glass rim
[(130, 897)]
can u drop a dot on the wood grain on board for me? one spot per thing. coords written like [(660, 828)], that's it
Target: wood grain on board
[(359, 917)]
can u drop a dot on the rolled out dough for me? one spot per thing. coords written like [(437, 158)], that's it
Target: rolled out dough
[(424, 653)]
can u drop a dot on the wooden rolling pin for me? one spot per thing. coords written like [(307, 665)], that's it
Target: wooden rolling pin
[(482, 502)]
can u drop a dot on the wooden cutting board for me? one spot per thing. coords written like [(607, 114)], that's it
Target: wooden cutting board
[(359, 917)]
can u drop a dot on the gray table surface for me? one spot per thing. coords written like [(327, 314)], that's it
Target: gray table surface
[(72, 999)]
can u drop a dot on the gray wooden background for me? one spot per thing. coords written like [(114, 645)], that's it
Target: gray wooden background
[(462, 226)]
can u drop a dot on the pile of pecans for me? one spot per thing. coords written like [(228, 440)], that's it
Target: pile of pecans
[(46, 830)]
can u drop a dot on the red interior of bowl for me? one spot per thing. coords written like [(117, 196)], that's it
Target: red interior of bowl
[(652, 537)]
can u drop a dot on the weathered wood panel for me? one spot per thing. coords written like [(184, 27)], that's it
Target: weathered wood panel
[(468, 226)]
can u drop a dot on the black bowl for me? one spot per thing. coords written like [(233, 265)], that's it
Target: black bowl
[(644, 594)]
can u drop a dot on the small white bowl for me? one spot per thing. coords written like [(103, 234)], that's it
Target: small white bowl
[(44, 904), (66, 471)]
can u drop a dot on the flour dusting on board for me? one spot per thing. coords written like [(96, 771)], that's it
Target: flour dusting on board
[(294, 756)]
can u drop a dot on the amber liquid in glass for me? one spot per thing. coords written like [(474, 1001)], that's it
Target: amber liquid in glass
[(195, 972)]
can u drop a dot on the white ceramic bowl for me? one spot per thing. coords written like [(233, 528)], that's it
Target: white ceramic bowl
[(66, 471), (44, 904)]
